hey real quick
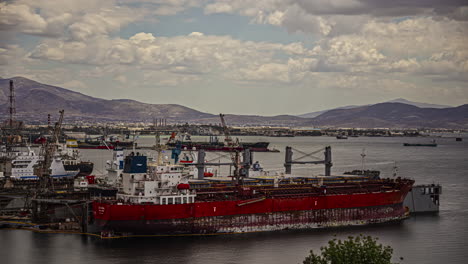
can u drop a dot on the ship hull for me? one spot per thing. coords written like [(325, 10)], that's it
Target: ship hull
[(251, 215)]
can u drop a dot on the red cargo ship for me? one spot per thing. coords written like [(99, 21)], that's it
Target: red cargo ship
[(164, 201)]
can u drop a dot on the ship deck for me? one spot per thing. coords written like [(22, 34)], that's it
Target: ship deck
[(219, 192)]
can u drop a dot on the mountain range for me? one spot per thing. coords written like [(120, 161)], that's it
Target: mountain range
[(35, 100)]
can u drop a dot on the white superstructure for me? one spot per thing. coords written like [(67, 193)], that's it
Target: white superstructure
[(159, 184)]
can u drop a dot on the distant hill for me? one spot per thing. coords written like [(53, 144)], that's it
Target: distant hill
[(35, 100), (398, 100), (394, 115)]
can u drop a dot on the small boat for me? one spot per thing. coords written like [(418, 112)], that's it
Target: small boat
[(341, 137), (458, 139)]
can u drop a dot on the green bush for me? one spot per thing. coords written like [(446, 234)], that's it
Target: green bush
[(354, 250)]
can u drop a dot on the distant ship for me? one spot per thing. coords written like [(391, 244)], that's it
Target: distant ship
[(214, 144), (101, 143), (433, 144)]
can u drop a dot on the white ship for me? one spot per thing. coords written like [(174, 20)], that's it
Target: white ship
[(23, 163)]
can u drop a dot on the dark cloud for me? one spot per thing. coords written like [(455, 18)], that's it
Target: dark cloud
[(384, 8)]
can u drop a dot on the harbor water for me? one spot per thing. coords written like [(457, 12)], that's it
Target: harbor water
[(439, 238)]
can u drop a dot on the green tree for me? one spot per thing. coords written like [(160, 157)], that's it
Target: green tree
[(354, 250)]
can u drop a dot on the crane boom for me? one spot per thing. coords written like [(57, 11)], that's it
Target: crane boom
[(227, 135), (233, 152)]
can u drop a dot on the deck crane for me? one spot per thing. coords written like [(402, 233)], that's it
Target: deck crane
[(43, 170), (234, 152)]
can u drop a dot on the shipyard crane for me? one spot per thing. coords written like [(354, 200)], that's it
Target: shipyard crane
[(227, 135), (233, 152), (50, 147)]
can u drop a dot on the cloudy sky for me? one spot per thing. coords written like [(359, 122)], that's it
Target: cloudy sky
[(263, 57)]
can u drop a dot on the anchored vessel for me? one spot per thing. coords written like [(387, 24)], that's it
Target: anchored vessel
[(432, 144), (214, 144), (163, 199)]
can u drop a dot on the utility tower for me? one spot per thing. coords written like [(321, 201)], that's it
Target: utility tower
[(12, 108)]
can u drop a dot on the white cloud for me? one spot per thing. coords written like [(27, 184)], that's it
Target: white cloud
[(195, 53), (80, 20), (21, 17)]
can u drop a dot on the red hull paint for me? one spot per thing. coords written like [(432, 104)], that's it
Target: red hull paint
[(108, 211)]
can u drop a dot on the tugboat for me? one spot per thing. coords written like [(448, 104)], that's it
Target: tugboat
[(424, 198)]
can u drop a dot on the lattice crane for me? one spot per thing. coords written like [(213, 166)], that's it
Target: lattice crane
[(43, 170)]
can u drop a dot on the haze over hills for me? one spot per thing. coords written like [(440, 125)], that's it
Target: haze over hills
[(35, 100), (317, 113)]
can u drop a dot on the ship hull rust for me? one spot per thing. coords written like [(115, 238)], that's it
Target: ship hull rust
[(260, 222)]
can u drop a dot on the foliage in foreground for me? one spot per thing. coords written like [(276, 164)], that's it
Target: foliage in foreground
[(354, 250)]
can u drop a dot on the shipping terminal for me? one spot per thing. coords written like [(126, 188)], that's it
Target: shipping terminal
[(143, 196)]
